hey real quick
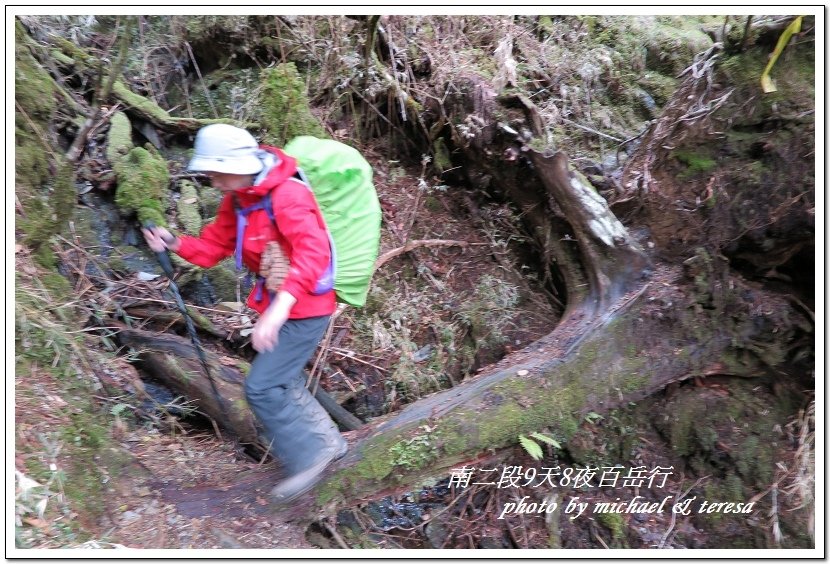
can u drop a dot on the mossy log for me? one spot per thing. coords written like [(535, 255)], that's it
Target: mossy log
[(175, 317), (586, 364), (174, 361), (147, 110)]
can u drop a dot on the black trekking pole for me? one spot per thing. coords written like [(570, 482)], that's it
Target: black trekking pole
[(164, 260)]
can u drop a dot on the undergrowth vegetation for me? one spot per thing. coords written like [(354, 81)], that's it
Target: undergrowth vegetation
[(63, 441)]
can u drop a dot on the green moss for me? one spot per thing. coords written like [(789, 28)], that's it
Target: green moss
[(544, 26), (188, 208), (793, 75), (46, 196), (615, 523), (286, 112), (31, 166), (142, 185), (33, 87), (223, 279), (442, 159), (661, 87), (61, 58), (754, 461), (119, 138), (138, 102), (672, 44), (696, 162), (58, 287), (81, 58), (56, 207), (416, 452), (210, 199), (117, 264), (433, 204)]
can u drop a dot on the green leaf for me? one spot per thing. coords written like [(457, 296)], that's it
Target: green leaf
[(593, 417), (119, 408), (546, 439), (532, 447)]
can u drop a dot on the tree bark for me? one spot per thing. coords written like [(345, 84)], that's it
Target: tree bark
[(632, 350), (173, 360), (612, 260)]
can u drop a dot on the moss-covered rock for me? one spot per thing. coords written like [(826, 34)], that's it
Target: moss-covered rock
[(286, 111), (188, 208), (209, 199), (143, 181), (223, 279), (119, 138), (57, 204), (725, 434), (44, 184), (672, 43), (33, 87)]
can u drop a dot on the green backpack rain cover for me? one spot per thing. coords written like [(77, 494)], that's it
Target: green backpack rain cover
[(341, 180)]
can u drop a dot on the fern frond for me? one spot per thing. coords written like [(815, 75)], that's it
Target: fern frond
[(531, 447), (546, 439)]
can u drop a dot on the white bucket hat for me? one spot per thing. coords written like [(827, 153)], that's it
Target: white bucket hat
[(224, 148)]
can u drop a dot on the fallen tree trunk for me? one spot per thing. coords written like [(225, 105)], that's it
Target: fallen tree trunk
[(637, 347), (173, 360)]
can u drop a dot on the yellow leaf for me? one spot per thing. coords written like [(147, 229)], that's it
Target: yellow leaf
[(794, 27), (767, 84)]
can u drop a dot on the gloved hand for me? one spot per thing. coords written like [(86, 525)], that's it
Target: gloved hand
[(160, 239)]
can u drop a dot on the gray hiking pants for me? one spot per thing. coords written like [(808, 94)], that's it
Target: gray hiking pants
[(295, 423)]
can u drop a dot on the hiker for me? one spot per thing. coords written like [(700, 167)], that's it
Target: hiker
[(294, 317)]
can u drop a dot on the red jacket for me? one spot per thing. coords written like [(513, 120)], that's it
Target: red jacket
[(302, 235)]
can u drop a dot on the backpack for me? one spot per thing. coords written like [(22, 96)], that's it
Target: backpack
[(341, 181)]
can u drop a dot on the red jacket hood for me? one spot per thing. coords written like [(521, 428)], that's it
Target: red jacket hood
[(284, 167)]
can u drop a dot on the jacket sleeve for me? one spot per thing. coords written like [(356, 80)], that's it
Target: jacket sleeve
[(300, 221), (217, 240)]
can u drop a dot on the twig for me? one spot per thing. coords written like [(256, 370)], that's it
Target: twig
[(746, 32), (314, 375), (594, 131), (350, 354), (201, 79), (414, 244), (599, 538), (264, 456), (674, 515), (335, 535), (168, 302)]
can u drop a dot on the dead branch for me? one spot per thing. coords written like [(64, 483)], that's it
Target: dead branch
[(414, 244)]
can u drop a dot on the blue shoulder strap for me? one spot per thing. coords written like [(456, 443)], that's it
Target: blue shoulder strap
[(326, 281), (242, 221)]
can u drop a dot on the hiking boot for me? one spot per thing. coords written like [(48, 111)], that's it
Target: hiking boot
[(294, 486)]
